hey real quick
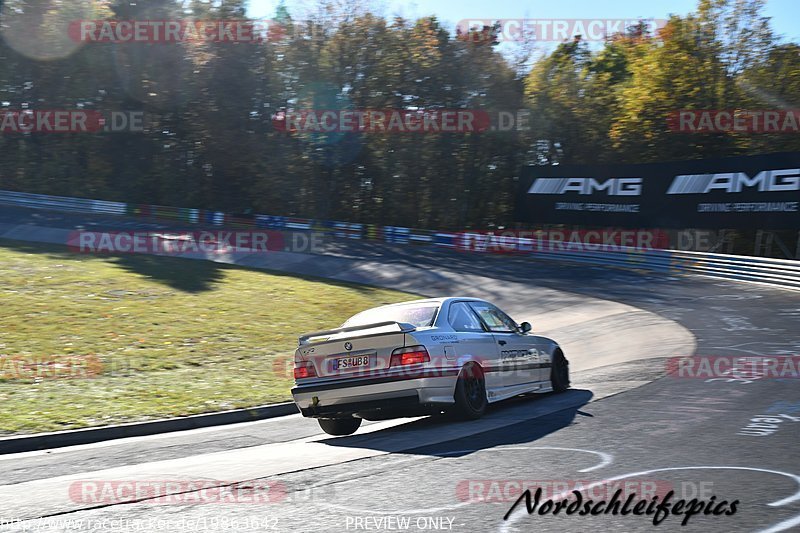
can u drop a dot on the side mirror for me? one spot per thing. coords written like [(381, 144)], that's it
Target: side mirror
[(525, 327)]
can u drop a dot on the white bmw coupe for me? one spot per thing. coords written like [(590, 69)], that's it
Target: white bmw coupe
[(421, 357)]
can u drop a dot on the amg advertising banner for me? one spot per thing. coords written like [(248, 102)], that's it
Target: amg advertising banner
[(752, 192)]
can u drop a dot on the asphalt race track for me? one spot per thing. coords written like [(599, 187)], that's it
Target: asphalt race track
[(624, 422)]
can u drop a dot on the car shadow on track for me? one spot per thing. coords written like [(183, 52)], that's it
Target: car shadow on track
[(516, 421)]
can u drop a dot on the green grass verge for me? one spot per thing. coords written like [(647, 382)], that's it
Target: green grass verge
[(150, 337)]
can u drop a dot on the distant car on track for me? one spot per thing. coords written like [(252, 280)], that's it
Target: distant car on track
[(421, 357)]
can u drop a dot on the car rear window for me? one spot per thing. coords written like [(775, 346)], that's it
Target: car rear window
[(418, 315)]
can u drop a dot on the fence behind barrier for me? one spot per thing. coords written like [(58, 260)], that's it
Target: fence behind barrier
[(775, 272)]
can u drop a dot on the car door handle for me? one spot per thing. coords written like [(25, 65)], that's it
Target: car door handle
[(502, 343)]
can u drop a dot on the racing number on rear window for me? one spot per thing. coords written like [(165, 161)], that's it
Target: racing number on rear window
[(496, 320), (462, 318)]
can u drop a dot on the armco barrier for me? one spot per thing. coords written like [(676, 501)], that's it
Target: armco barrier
[(775, 272), (782, 273), (62, 203)]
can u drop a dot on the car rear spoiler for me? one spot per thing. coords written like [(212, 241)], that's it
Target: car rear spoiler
[(402, 327)]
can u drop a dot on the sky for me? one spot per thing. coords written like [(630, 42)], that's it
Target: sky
[(785, 13)]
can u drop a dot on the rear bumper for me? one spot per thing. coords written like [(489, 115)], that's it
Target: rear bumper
[(378, 396)]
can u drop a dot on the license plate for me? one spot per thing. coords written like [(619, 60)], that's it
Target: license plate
[(356, 361)]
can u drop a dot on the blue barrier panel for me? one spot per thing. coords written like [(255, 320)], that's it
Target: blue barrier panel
[(421, 236), (323, 226), (396, 235), (270, 222), (298, 223), (447, 240)]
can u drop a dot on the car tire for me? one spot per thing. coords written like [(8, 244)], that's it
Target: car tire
[(470, 393), (559, 372), (339, 426)]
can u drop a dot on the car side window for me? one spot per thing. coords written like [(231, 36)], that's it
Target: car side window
[(496, 320), (462, 318)]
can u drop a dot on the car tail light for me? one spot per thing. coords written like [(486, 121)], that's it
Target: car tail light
[(304, 369), (409, 356)]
